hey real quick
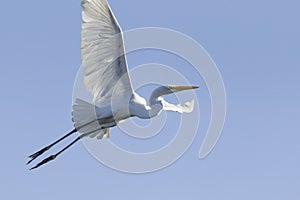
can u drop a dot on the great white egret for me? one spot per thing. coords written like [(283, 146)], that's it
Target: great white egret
[(106, 78)]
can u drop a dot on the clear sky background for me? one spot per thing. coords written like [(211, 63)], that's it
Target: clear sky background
[(255, 44)]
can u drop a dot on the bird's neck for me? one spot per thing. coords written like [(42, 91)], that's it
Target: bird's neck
[(144, 111), (148, 112), (155, 106), (155, 110)]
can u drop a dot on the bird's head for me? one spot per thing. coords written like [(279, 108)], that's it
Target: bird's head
[(165, 90), (156, 99)]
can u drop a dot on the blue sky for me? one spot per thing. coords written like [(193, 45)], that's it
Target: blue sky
[(256, 47)]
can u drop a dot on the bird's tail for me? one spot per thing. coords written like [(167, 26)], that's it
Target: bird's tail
[(85, 119), (83, 113)]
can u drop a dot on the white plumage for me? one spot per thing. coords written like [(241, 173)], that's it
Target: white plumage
[(106, 78), (102, 52)]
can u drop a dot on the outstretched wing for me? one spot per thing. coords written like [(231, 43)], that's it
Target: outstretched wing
[(102, 53)]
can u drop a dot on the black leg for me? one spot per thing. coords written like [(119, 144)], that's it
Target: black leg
[(52, 157), (40, 152)]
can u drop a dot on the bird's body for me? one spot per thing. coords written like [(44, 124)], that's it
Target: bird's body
[(106, 78)]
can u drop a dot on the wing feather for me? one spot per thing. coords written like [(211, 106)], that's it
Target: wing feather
[(102, 53)]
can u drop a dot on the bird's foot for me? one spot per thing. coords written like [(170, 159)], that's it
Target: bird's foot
[(52, 157), (37, 154)]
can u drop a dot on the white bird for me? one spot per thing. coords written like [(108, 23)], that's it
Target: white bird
[(106, 78)]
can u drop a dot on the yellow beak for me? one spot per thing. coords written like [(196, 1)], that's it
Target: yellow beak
[(180, 88)]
